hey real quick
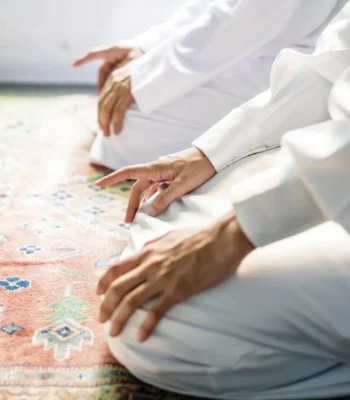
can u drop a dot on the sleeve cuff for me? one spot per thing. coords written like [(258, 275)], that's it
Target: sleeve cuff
[(236, 136), (148, 40), (274, 205)]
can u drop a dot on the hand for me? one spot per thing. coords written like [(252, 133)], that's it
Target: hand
[(183, 171), (113, 56), (115, 99), (171, 269)]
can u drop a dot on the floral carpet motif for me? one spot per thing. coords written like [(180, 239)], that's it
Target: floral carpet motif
[(58, 233)]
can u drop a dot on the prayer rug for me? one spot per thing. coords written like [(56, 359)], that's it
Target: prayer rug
[(58, 233)]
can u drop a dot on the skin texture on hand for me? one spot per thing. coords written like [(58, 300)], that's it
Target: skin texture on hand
[(112, 57), (183, 172), (115, 99), (170, 270)]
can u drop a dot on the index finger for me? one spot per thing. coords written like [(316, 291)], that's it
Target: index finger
[(92, 55), (135, 199), (154, 315), (141, 171)]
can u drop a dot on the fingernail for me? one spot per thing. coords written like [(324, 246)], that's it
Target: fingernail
[(113, 332), (141, 335), (101, 319), (100, 292), (151, 211)]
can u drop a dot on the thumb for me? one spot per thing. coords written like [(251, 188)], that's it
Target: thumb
[(92, 55), (175, 190)]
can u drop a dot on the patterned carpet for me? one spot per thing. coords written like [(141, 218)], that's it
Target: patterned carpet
[(58, 233)]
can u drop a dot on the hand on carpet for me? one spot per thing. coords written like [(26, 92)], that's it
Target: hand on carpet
[(171, 269), (112, 56), (183, 171)]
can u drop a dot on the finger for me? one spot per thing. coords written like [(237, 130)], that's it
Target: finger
[(175, 190), (103, 75), (144, 196), (114, 272), (135, 199), (134, 300), (153, 190), (118, 290), (119, 112), (105, 111), (92, 55), (123, 62), (154, 315), (142, 171)]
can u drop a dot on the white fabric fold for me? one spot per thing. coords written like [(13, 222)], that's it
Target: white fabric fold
[(311, 184), (200, 45)]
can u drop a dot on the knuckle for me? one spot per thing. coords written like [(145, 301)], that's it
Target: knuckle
[(131, 302), (102, 105), (182, 178), (166, 276), (115, 289), (148, 250), (151, 167), (151, 268), (179, 288), (178, 164)]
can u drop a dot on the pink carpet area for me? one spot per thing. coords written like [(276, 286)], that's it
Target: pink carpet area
[(58, 233)]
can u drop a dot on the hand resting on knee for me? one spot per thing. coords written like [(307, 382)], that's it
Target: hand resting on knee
[(171, 269), (183, 172)]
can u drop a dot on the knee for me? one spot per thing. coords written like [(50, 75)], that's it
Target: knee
[(125, 348)]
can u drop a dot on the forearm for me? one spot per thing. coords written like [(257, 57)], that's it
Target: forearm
[(300, 86), (183, 17), (308, 188), (261, 123), (218, 39)]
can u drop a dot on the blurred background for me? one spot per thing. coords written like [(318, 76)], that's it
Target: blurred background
[(39, 39)]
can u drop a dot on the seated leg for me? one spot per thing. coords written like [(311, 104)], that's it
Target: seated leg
[(144, 138), (276, 330)]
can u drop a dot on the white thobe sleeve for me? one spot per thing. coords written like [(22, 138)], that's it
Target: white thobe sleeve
[(310, 187), (298, 96), (183, 17), (311, 183), (226, 33)]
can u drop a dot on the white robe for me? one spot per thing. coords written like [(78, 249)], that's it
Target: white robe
[(279, 328), (211, 57)]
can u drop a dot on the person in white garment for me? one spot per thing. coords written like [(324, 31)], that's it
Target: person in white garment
[(210, 57), (240, 290)]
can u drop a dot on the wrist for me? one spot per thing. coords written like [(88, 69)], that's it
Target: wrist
[(236, 242)]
